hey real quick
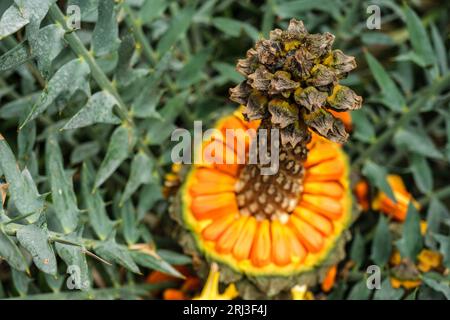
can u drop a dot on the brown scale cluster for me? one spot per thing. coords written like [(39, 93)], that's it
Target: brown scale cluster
[(272, 196), (292, 79), (291, 83)]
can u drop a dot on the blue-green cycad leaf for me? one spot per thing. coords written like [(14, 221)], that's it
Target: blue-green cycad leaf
[(154, 262), (120, 145), (411, 241), (75, 259), (46, 46), (192, 72), (437, 213), (360, 291), (94, 203), (11, 21), (98, 109), (387, 292), (422, 173), (377, 176), (141, 173), (113, 252), (105, 37), (129, 223), (35, 240), (392, 97), (381, 244), (63, 195), (357, 250), (125, 74), (152, 9), (178, 27), (11, 253), (419, 37), (23, 190), (417, 141), (69, 78), (15, 57)]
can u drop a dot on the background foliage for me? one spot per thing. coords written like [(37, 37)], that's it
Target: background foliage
[(86, 117)]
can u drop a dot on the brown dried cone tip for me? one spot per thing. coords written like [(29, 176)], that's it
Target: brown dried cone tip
[(291, 83)]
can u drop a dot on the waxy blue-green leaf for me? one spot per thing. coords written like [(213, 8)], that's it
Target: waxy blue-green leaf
[(288, 9), (26, 139), (436, 213), (11, 21), (88, 9), (11, 253), (54, 282), (419, 37), (21, 282), (144, 106), (94, 204), (444, 247), (129, 222), (192, 72), (154, 262), (159, 130), (120, 145), (15, 57), (411, 241), (98, 109), (234, 27), (228, 26), (17, 108), (125, 75), (36, 241), (179, 25), (381, 244), (77, 267), (439, 47), (63, 195), (377, 176), (148, 196), (113, 252), (34, 10), (69, 78), (174, 258), (357, 250), (387, 292), (22, 189), (228, 72), (422, 173), (174, 106), (417, 142), (152, 9), (141, 173), (392, 97), (47, 45), (364, 130), (84, 151), (438, 283), (360, 291), (105, 38)]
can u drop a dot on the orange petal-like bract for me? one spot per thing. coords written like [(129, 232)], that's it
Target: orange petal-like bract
[(398, 209), (256, 244)]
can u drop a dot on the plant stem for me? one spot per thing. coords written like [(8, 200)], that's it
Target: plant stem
[(98, 74)]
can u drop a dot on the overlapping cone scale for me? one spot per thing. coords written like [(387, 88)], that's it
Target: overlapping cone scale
[(292, 78)]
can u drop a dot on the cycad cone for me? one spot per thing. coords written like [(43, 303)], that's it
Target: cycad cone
[(289, 229)]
